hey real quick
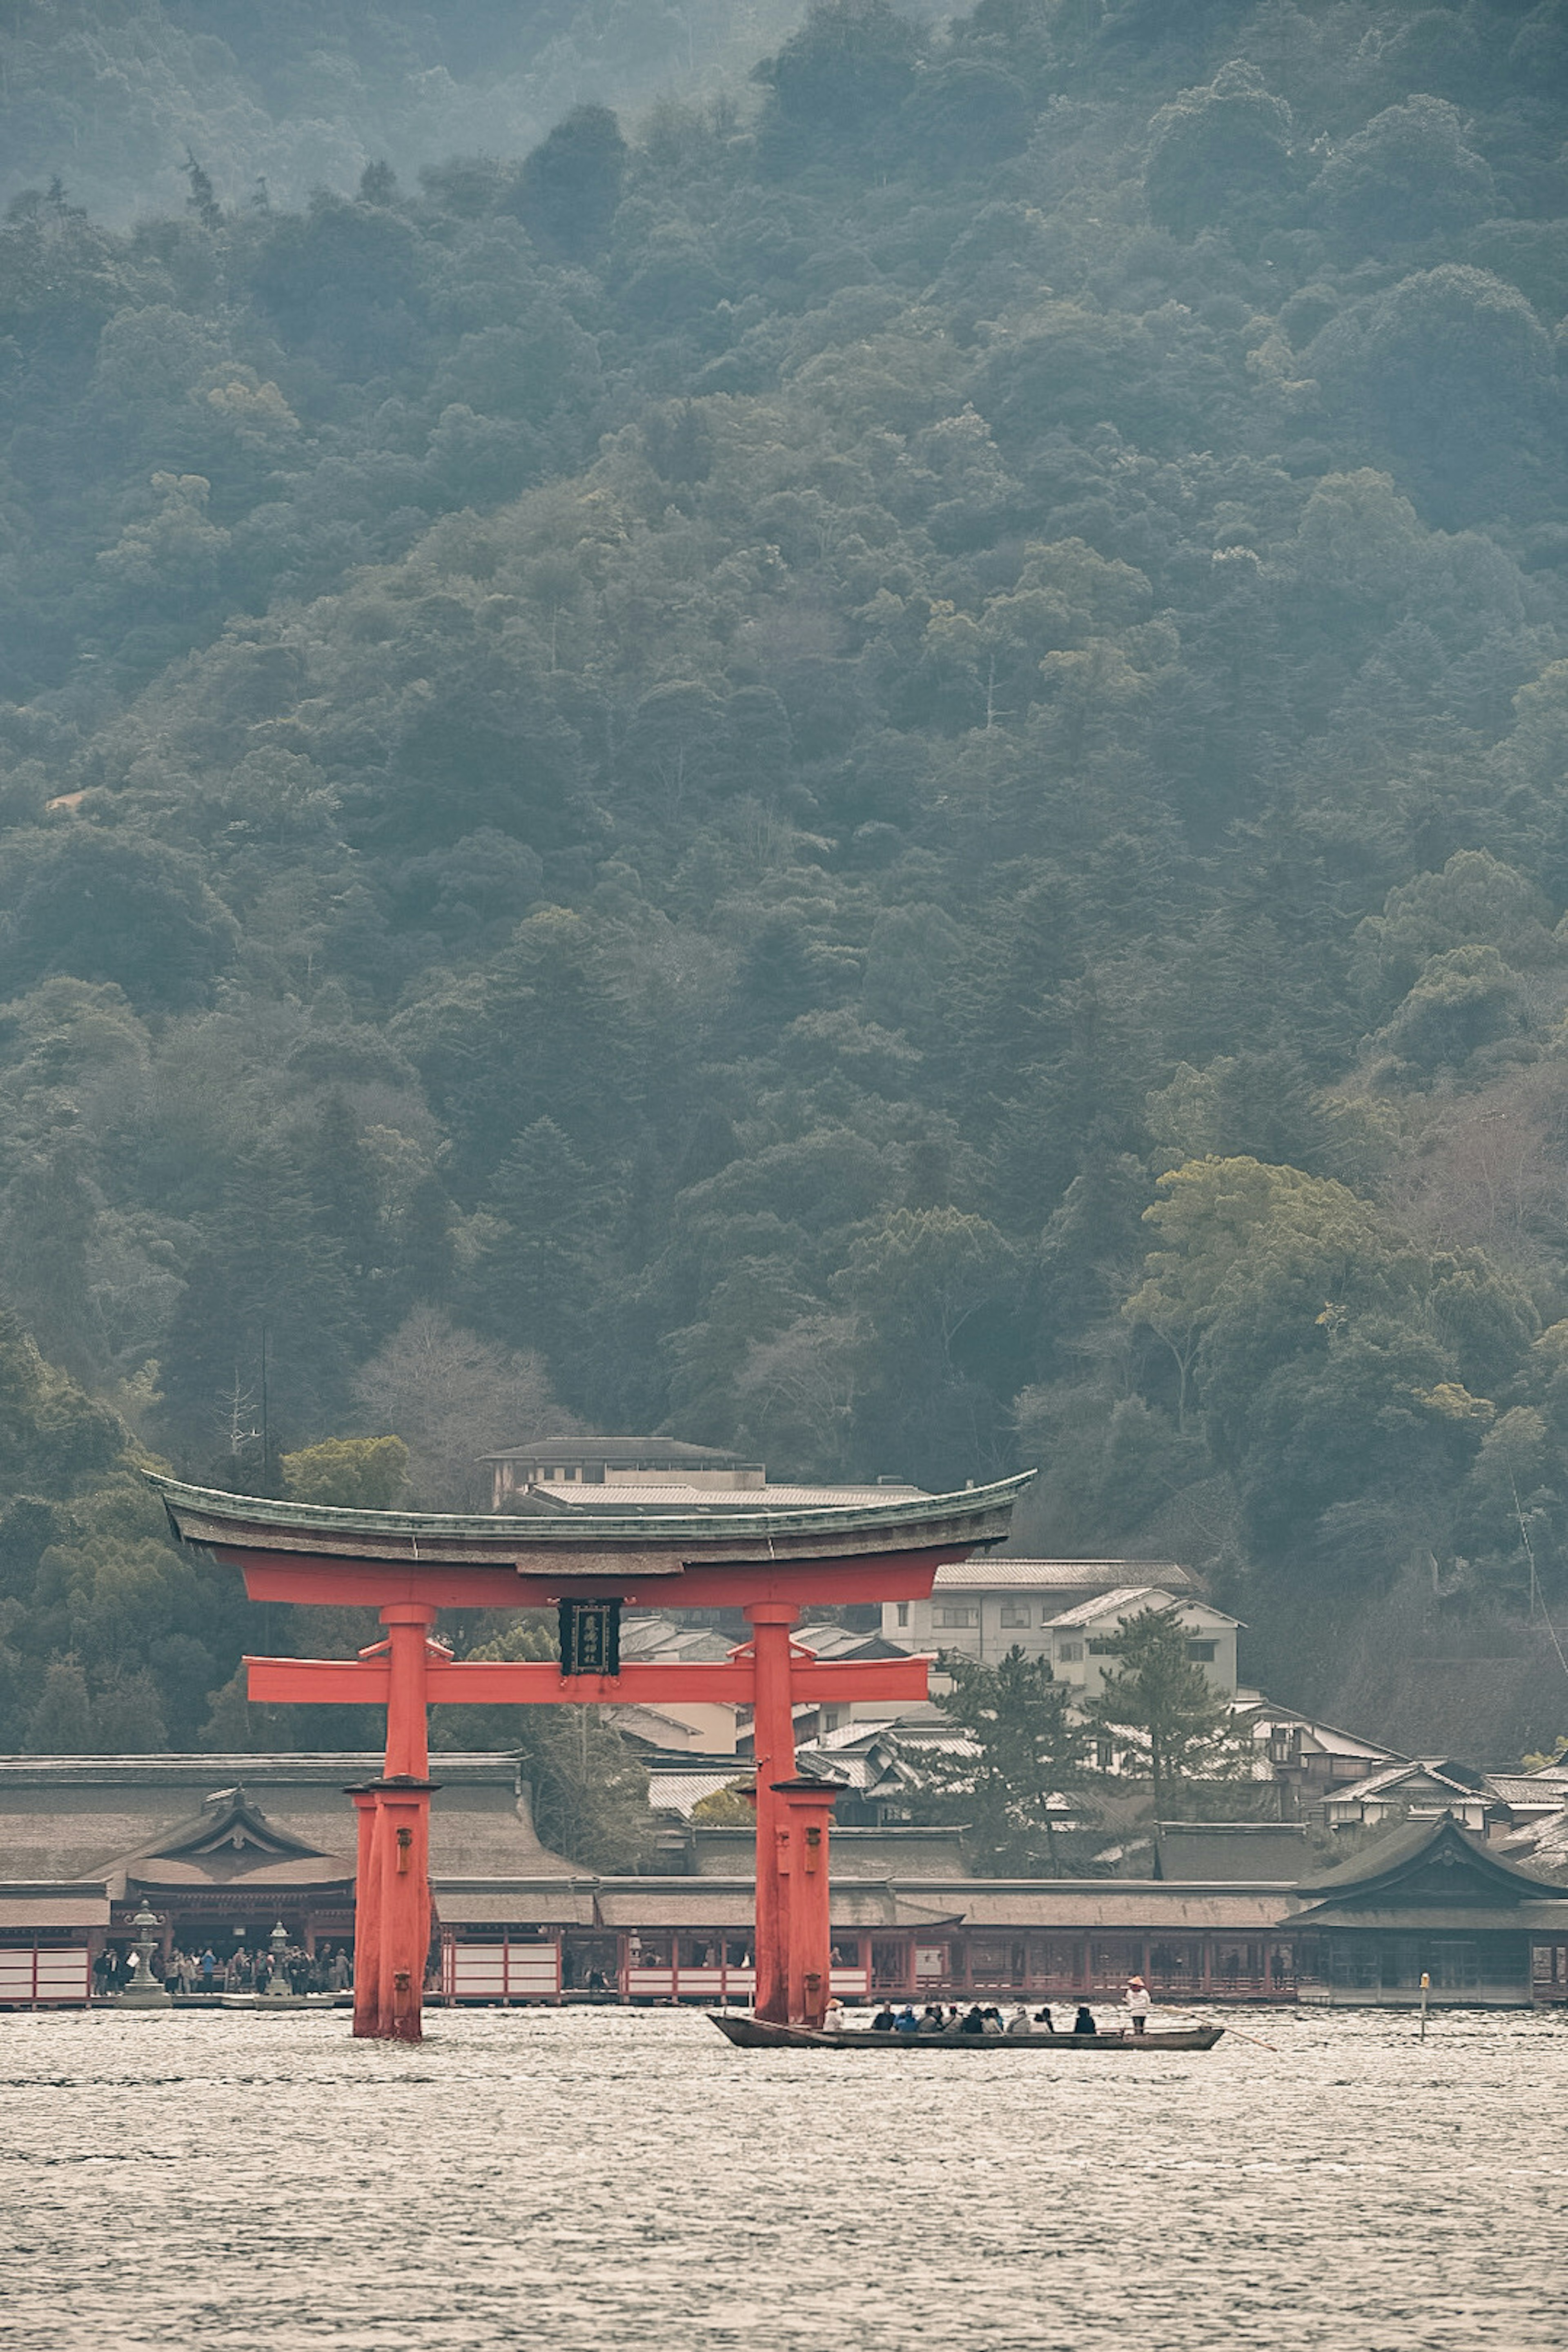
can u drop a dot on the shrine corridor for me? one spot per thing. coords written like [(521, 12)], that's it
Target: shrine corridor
[(594, 2179)]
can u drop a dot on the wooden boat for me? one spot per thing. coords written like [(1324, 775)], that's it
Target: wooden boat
[(757, 2033)]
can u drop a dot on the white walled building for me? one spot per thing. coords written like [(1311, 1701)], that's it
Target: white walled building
[(983, 1607), (1083, 1640)]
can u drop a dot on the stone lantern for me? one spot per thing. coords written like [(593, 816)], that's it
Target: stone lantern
[(278, 1985), (143, 1990)]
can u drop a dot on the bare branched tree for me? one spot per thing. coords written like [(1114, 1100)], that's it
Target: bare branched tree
[(451, 1397)]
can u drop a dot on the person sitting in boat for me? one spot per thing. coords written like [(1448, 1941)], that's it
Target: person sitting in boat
[(1018, 2024), (1084, 2021), (906, 2020), (884, 2021), (1137, 2004), (975, 2021), (933, 2020), (1043, 2017), (833, 2015), (992, 2023)]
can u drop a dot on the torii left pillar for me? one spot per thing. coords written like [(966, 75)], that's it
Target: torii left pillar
[(772, 1719), (392, 1905)]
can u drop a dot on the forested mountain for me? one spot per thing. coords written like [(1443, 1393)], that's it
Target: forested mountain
[(275, 100), (874, 769)]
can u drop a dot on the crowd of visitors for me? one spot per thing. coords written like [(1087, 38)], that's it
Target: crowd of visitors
[(980, 2018), (329, 1968)]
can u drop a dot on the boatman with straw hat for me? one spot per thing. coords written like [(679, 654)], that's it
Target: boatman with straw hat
[(1138, 2003)]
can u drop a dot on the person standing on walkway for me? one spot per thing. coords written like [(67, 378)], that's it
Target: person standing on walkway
[(1138, 2003)]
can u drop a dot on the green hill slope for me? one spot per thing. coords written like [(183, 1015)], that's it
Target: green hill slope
[(877, 773)]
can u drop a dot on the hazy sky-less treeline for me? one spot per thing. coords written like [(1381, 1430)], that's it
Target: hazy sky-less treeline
[(867, 762)]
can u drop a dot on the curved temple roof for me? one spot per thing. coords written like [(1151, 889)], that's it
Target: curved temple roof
[(717, 1532)]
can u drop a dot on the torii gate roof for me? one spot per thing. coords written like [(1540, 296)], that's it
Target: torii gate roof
[(590, 1545)]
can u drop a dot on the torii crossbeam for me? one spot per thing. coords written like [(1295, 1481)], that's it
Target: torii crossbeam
[(588, 1560)]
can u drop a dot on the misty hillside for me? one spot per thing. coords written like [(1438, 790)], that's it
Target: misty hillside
[(279, 100), (872, 766)]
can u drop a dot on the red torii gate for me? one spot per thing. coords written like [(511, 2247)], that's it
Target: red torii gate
[(586, 1559)]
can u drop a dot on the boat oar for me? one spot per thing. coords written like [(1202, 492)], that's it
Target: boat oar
[(1237, 2031)]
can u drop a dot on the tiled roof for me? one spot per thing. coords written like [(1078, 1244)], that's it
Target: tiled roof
[(1541, 1846), (1109, 1903), (1394, 1776), (521, 1903), (655, 1637), (851, 1735), (1123, 1600), (50, 1908), (674, 1496), (89, 1817), (1539, 1917), (320, 1870), (844, 1641), (1054, 1575), (1206, 1851), (1263, 1716), (1522, 1788), (544, 1537), (639, 1452), (677, 1792), (1392, 1856)]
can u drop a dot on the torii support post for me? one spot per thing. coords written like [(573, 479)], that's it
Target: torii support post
[(367, 1916), (407, 1670), (773, 1562), (773, 1746), (803, 1818), (404, 1807), (392, 1895)]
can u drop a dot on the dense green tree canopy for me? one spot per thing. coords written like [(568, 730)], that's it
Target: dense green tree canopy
[(870, 763)]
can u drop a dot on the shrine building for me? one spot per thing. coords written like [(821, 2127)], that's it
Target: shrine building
[(224, 1848)]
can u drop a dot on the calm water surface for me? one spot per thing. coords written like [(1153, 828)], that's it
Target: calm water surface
[(600, 2178)]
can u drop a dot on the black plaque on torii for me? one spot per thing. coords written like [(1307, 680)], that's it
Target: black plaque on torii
[(590, 1637)]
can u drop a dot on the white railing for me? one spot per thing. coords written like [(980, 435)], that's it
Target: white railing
[(503, 1971), (34, 1974), (666, 1982)]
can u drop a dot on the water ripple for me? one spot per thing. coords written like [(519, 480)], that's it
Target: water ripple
[(603, 2179)]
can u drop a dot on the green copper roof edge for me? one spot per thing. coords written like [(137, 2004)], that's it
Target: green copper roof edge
[(582, 1521)]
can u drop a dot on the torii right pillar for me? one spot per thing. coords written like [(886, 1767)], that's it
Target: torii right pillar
[(801, 1829)]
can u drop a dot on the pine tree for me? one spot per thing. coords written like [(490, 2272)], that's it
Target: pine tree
[(537, 1273), (268, 1295), (61, 1723), (1025, 1752), (1163, 1712), (202, 200)]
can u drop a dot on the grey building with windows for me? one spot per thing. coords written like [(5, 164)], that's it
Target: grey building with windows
[(1067, 1611)]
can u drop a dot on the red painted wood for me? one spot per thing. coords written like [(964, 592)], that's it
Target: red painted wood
[(773, 1725), (404, 1842), (527, 1682), (803, 1815), (405, 1675), (408, 1624), (367, 1918), (362, 1583)]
